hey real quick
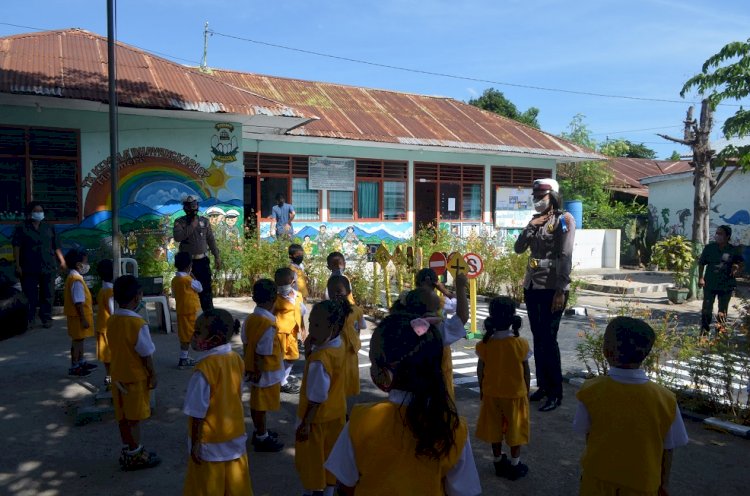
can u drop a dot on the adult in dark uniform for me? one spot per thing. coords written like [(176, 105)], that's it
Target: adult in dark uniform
[(718, 267), (195, 236), (549, 235), (36, 249)]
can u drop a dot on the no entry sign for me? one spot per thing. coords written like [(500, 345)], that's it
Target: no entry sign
[(476, 266), (438, 263)]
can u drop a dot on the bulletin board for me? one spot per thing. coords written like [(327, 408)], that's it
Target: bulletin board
[(513, 207)]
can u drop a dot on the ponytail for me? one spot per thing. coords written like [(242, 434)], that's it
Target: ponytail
[(516, 325)]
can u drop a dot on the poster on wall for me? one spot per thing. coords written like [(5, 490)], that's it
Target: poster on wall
[(513, 207), (329, 173)]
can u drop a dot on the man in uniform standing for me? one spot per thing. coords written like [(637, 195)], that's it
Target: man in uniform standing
[(718, 267), (195, 236), (549, 235)]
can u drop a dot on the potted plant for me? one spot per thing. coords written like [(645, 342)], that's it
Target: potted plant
[(675, 253)]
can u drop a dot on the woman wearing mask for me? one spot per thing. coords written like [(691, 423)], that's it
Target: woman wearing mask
[(550, 236), (35, 248)]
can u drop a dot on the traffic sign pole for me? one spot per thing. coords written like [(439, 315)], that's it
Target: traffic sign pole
[(473, 307)]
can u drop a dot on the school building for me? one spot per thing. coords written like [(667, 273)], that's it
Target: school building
[(365, 164)]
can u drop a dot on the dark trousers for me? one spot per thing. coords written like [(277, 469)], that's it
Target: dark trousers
[(202, 273), (40, 291), (544, 326), (709, 296)]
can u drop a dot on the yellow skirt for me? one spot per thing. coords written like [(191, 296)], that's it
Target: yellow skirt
[(133, 405), (591, 486), (504, 419), (230, 477), (103, 353), (310, 456), (185, 326), (265, 399), (76, 332), (289, 346)]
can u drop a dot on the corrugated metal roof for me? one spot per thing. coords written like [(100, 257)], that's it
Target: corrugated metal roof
[(72, 63), (355, 113), (628, 172)]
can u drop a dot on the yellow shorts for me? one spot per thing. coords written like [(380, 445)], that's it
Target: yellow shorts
[(76, 332), (289, 346), (504, 419), (133, 405), (265, 399), (310, 456), (185, 326), (351, 374), (591, 486), (103, 354), (230, 477)]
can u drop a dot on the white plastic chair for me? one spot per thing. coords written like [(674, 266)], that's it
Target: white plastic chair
[(130, 266)]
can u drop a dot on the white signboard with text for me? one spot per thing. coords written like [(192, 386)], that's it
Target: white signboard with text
[(513, 207), (336, 174)]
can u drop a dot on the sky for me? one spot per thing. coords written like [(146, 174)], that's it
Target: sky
[(641, 49)]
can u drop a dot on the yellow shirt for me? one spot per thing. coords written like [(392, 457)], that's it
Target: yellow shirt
[(70, 307), (185, 298), (225, 418), (288, 314), (383, 444), (629, 423), (334, 407), (503, 367), (102, 312), (255, 326), (122, 335), (349, 334), (301, 280)]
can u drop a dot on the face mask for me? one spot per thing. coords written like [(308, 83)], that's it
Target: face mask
[(285, 290), (140, 307), (541, 205), (297, 260), (84, 269), (37, 216), (205, 344)]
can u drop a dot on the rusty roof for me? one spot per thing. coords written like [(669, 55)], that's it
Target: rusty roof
[(72, 63), (627, 172), (356, 113)]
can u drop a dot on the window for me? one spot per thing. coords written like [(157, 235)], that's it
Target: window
[(515, 177), (380, 193), (286, 174), (340, 205), (306, 201), (39, 164), (459, 189), (394, 200)]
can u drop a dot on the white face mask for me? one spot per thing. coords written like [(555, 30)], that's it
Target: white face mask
[(37, 216), (285, 290), (84, 269), (541, 205)]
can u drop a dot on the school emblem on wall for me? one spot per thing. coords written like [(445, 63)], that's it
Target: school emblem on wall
[(224, 145)]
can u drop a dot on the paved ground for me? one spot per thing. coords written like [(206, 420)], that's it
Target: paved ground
[(45, 454)]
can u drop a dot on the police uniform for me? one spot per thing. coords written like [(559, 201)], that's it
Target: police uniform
[(548, 271)]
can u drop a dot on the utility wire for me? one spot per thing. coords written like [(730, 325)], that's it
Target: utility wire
[(637, 130)]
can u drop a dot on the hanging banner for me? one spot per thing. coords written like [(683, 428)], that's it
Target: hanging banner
[(329, 173)]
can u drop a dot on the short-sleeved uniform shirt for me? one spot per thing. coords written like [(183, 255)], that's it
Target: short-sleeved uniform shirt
[(37, 247), (718, 264)]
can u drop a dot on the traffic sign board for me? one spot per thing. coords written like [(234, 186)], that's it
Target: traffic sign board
[(438, 263), (476, 266), (382, 256), (457, 264)]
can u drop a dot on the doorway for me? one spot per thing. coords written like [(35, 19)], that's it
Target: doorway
[(425, 204)]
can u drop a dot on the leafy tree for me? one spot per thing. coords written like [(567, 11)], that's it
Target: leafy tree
[(494, 101), (626, 148), (585, 180), (675, 156)]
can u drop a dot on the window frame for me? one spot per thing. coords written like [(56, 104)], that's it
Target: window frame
[(459, 174), (362, 165), (28, 158)]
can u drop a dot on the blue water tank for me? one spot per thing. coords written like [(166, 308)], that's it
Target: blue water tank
[(575, 207)]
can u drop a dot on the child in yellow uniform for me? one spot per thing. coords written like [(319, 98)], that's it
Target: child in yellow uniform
[(264, 364), (336, 263), (185, 289), (503, 372), (133, 374), (79, 311), (414, 442), (322, 404), (631, 424), (339, 289), (297, 258), (105, 307), (289, 310), (213, 402)]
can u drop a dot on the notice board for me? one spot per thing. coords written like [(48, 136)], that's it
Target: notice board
[(336, 174), (513, 207)]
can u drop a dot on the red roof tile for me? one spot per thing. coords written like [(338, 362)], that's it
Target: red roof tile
[(627, 172)]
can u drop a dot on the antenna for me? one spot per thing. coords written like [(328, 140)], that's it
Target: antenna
[(204, 61)]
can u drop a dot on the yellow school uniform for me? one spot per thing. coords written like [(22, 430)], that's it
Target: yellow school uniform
[(262, 398), (75, 331), (352, 345), (638, 436), (383, 444), (289, 323), (102, 316), (504, 411), (188, 304), (301, 280), (127, 368), (330, 418), (224, 421)]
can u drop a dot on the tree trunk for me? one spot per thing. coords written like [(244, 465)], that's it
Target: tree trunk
[(702, 155)]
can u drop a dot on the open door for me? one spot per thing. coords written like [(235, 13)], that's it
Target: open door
[(425, 204)]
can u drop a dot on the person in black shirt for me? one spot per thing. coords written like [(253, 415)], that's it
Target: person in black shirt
[(718, 267), (35, 248)]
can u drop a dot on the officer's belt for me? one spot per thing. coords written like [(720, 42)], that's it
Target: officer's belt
[(199, 256), (542, 263)]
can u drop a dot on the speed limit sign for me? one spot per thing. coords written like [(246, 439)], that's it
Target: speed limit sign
[(476, 266)]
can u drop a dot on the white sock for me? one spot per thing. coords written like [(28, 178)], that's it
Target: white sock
[(287, 372), (184, 353), (261, 438), (498, 459), (515, 461), (135, 451)]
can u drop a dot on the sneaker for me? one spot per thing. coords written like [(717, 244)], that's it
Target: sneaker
[(300, 346), (89, 366), (185, 363), (515, 472), (268, 445), (79, 371), (293, 379), (290, 388), (270, 433), (140, 460), (550, 404), (501, 467)]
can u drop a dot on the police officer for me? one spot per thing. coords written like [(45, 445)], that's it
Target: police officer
[(195, 236), (550, 235)]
